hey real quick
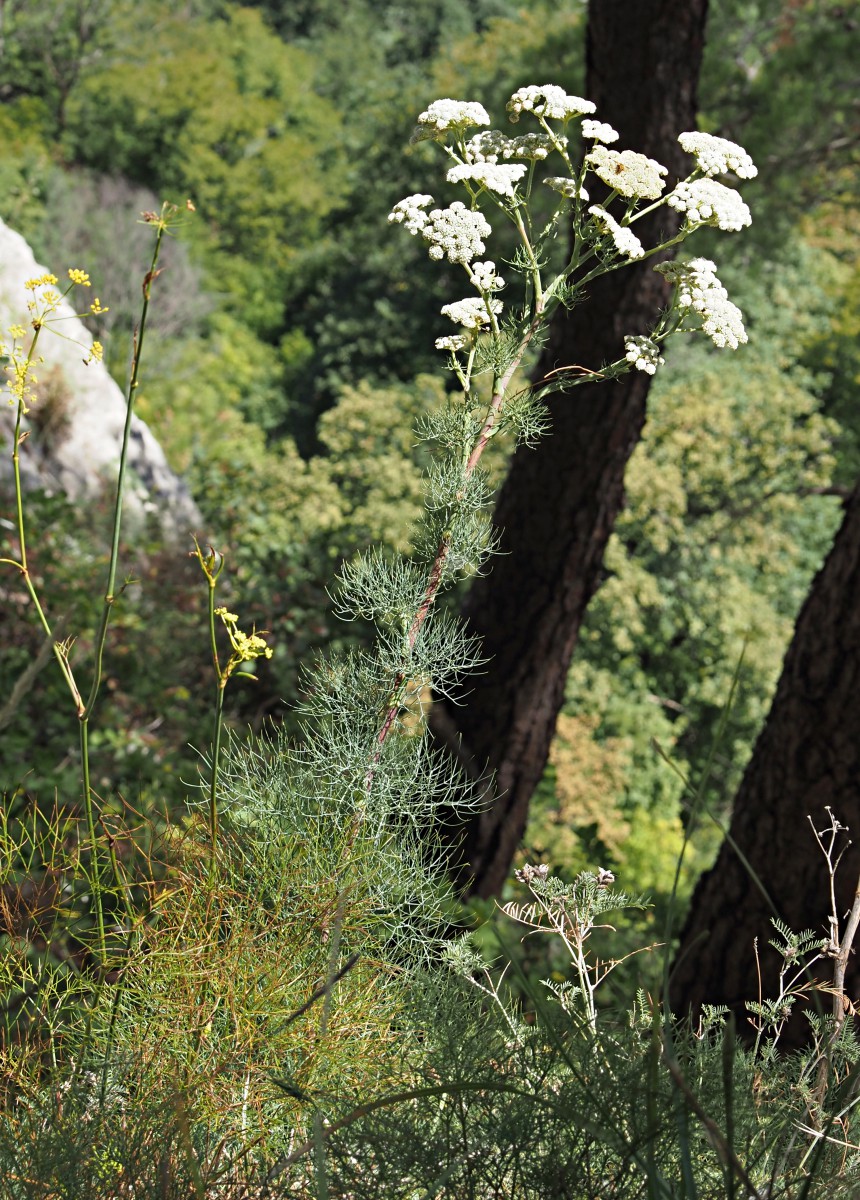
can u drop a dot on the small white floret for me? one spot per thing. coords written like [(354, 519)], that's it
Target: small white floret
[(484, 277), (708, 202), (700, 291), (567, 187), (501, 179), (598, 131), (548, 101), (443, 116), (632, 175), (457, 341), (473, 312), (456, 233), (643, 353), (718, 156), (626, 242)]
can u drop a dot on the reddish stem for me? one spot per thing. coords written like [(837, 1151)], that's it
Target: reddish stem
[(434, 579)]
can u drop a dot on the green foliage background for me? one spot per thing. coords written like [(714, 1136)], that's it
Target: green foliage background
[(296, 355)]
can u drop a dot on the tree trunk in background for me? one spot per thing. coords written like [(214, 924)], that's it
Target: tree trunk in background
[(559, 503), (807, 756)]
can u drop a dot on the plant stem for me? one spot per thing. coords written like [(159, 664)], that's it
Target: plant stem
[(110, 597), (134, 383), (95, 880), (218, 727), (212, 565), (437, 567)]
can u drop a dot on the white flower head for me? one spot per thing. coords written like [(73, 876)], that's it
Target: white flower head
[(445, 115), (626, 242), (707, 202), (501, 179), (567, 187), (473, 312), (700, 291), (484, 277), (409, 212), (456, 233), (598, 131), (643, 353), (457, 341), (628, 173), (548, 101), (717, 156), (486, 146), (534, 146)]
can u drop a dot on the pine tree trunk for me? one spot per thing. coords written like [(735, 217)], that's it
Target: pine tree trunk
[(807, 757), (560, 501)]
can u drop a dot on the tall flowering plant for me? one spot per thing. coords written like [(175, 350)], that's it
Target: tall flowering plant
[(498, 173)]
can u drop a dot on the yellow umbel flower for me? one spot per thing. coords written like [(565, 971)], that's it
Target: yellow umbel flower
[(40, 281), (246, 646), (77, 276)]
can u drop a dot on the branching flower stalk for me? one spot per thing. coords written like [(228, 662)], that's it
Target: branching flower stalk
[(44, 313)]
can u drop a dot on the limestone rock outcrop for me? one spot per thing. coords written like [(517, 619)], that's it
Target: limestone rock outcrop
[(75, 430)]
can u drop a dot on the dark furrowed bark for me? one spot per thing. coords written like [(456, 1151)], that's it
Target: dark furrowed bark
[(806, 757)]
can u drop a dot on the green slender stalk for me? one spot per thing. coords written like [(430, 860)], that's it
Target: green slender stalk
[(218, 728), (218, 720), (95, 877), (110, 596), (212, 564), (134, 383)]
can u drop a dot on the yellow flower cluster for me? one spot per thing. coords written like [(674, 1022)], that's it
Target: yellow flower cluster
[(18, 369), (40, 281), (246, 646), (44, 301)]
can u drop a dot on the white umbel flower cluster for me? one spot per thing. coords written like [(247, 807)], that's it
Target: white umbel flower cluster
[(699, 289), (409, 212), (643, 353), (445, 115), (548, 101), (567, 187), (532, 146), (707, 202), (630, 174), (718, 156), (626, 242), (473, 312), (500, 178), (598, 131), (483, 276), (456, 233), (487, 146), (457, 341)]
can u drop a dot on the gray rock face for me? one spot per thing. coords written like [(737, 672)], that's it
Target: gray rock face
[(75, 430)]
